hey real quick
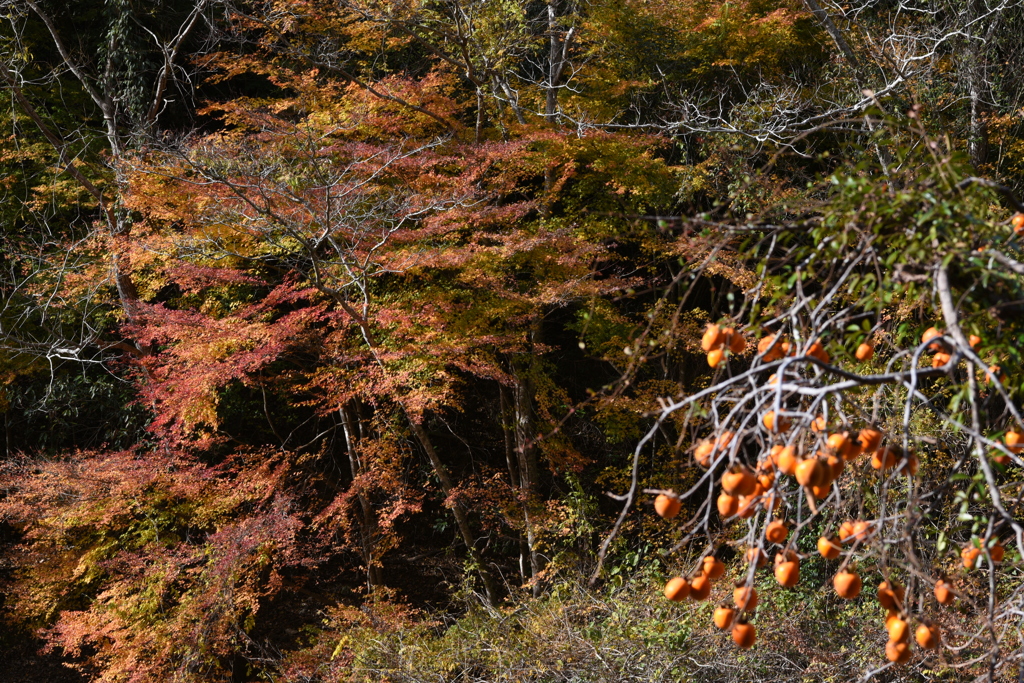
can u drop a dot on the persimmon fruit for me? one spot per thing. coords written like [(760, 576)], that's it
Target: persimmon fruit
[(728, 505), (1014, 441), (861, 530), (890, 596), (897, 652), (677, 589), (997, 552), (927, 636), (899, 630), (756, 555), (1018, 223), (944, 593), (820, 491), (835, 465), (713, 568), (851, 530), (745, 597), (744, 635), (700, 587), (737, 343), (847, 585), (969, 555), (817, 350), (909, 464), (776, 532), (723, 617), (869, 439), (713, 338), (702, 454), (739, 481), (929, 334), (773, 424), (748, 506), (788, 573), (787, 460), (812, 472), (885, 458), (770, 349), (842, 445), (828, 548), (787, 555), (667, 506)]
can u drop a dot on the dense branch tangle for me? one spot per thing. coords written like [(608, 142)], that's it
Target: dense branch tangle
[(807, 438)]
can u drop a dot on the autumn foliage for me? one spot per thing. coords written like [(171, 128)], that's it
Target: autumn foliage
[(435, 341)]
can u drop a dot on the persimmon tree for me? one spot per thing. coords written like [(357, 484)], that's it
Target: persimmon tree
[(863, 407)]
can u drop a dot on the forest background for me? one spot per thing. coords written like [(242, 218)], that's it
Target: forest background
[(350, 340)]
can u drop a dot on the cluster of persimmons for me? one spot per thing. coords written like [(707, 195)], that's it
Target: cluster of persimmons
[(745, 491)]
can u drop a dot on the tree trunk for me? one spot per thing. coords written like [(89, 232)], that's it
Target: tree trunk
[(512, 460), (478, 132), (554, 60), (558, 49), (526, 450), (527, 453), (977, 87), (461, 519), (367, 520), (833, 31), (977, 136)]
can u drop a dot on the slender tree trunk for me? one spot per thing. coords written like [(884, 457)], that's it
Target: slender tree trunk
[(461, 519), (977, 140), (367, 521), (513, 102), (554, 60), (833, 31), (558, 56), (478, 133), (977, 87), (526, 450), (512, 460)]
